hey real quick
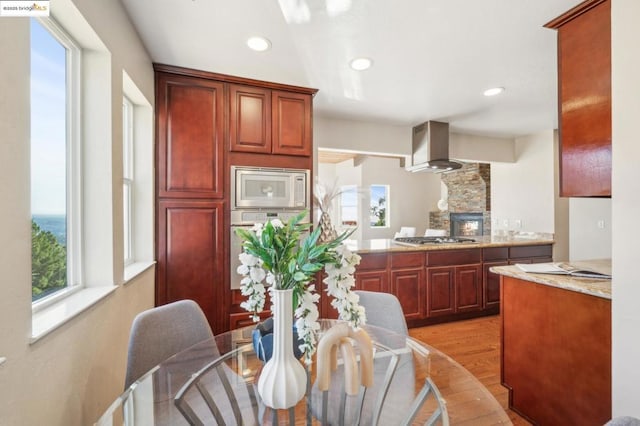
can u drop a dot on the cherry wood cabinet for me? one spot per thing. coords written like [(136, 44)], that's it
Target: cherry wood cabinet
[(190, 132), (468, 288), (249, 119), (191, 254), (263, 121), (584, 92), (556, 353), (531, 254), (493, 256), (407, 283), (491, 284), (206, 122), (440, 291), (372, 273), (291, 114), (454, 282), (440, 285)]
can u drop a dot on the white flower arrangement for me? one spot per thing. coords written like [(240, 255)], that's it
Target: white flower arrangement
[(275, 257)]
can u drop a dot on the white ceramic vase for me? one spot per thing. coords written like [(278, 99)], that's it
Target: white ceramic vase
[(283, 379)]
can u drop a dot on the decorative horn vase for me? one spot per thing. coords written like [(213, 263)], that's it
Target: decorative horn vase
[(283, 380)]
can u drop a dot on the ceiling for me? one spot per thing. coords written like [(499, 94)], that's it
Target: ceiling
[(432, 59)]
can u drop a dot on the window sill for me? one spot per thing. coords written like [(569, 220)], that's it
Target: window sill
[(133, 270), (52, 317)]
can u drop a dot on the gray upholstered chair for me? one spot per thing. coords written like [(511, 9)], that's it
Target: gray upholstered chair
[(383, 310), (623, 421), (158, 333)]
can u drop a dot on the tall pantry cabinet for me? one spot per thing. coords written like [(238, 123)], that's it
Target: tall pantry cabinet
[(205, 123)]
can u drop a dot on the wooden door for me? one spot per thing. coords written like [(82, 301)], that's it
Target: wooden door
[(291, 115), (249, 119), (190, 256), (190, 131), (408, 286), (491, 284), (372, 281), (440, 291), (468, 288)]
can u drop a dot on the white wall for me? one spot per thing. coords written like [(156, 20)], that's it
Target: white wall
[(380, 138), (625, 64), (338, 175), (360, 136), (481, 149), (524, 190), (411, 196), (70, 376), (587, 240)]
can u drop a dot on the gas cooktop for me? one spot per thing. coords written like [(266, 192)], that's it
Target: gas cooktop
[(418, 241)]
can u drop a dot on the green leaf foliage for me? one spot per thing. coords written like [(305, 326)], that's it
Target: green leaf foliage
[(294, 261), (48, 263)]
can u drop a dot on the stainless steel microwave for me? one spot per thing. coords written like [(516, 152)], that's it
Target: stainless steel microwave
[(264, 187)]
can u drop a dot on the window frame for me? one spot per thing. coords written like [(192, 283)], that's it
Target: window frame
[(347, 189), (128, 178), (73, 166)]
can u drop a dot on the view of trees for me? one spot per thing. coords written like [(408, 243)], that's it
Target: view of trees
[(48, 263), (379, 213)]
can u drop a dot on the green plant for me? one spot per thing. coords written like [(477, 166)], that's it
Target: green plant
[(275, 253), (48, 262)]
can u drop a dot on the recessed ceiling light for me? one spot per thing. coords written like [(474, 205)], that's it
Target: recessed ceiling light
[(259, 44), (494, 91), (361, 64)]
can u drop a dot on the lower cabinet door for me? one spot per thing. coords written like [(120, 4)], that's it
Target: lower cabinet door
[(372, 281), (491, 284), (468, 292), (440, 291), (407, 286), (190, 256)]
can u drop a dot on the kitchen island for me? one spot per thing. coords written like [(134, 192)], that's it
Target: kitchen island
[(441, 282), (556, 345)]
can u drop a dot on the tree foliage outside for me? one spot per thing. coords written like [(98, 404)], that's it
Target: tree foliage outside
[(48, 263), (379, 213)]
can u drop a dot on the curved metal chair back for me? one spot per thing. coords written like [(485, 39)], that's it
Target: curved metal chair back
[(220, 391), (158, 333)]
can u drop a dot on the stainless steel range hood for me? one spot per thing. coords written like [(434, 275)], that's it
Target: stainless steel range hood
[(430, 152)]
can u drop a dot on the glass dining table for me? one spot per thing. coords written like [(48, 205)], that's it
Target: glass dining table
[(413, 384)]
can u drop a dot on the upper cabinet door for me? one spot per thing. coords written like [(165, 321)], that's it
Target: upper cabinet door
[(291, 116), (249, 119), (190, 132), (584, 90)]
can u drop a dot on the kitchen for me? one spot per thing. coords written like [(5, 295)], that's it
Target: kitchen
[(526, 194)]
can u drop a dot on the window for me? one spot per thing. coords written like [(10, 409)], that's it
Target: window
[(127, 178), (379, 217), (349, 205), (55, 223)]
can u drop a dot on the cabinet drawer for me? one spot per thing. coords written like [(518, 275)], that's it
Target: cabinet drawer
[(407, 260), (453, 257), (495, 253), (373, 261), (530, 251)]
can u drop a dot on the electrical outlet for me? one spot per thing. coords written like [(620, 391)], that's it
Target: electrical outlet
[(601, 224), (517, 223)]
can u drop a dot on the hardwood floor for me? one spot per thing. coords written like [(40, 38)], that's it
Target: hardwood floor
[(474, 344)]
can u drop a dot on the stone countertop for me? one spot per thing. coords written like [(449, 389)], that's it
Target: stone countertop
[(594, 287), (388, 245)]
